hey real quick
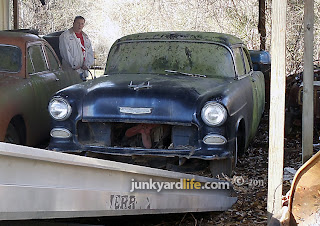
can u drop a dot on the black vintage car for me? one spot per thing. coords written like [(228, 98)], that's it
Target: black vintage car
[(188, 95)]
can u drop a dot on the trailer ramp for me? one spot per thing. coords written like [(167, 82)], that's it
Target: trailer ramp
[(42, 184)]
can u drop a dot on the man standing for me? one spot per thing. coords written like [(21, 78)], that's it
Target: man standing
[(76, 49)]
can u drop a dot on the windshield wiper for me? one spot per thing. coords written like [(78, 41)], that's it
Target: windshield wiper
[(184, 73)]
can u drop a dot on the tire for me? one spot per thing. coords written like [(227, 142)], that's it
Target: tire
[(226, 166), (12, 135), (221, 166)]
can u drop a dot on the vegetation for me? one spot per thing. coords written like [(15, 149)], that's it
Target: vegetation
[(107, 20)]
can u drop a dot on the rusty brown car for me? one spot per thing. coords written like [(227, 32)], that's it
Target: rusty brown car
[(30, 73)]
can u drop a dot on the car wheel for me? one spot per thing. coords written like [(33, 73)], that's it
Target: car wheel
[(221, 166), (226, 166), (12, 135)]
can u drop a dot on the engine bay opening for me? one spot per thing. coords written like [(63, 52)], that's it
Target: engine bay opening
[(136, 135)]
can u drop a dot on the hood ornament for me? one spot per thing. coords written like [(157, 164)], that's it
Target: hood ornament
[(144, 85)]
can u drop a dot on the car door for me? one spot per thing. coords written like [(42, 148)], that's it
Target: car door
[(55, 67), (248, 93), (257, 78), (44, 82), (254, 94)]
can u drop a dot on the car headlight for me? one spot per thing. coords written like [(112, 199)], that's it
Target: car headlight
[(213, 114), (59, 108)]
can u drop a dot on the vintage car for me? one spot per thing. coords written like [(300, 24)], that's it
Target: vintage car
[(187, 95), (53, 40), (261, 61), (294, 91), (30, 73)]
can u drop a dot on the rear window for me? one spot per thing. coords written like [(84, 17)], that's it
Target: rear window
[(11, 58), (155, 57)]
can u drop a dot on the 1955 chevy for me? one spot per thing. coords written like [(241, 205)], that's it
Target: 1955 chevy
[(185, 95)]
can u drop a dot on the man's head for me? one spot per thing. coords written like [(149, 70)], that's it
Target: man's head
[(78, 24)]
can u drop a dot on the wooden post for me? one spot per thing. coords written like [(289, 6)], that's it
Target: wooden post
[(15, 14), (307, 109), (4, 14), (277, 106), (262, 24)]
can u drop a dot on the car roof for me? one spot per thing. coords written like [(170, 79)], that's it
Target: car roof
[(225, 39), (17, 38)]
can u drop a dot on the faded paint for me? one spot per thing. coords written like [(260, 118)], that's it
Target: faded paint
[(175, 99), (206, 53), (304, 199), (26, 95), (224, 39)]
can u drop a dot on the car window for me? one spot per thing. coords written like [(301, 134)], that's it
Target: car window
[(37, 59), (155, 57), (30, 68), (246, 61), (11, 58), (238, 61), (53, 62)]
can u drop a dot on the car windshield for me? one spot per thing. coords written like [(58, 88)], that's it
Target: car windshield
[(10, 58), (157, 57)]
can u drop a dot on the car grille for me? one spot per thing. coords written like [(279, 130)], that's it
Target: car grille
[(136, 135)]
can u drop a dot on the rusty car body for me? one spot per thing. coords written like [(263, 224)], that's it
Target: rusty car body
[(185, 95), (301, 205), (294, 97), (30, 73)]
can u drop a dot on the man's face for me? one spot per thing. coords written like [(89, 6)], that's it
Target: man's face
[(78, 25)]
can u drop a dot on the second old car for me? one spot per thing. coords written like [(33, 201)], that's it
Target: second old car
[(187, 95), (30, 73)]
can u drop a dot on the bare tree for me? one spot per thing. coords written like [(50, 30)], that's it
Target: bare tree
[(108, 20)]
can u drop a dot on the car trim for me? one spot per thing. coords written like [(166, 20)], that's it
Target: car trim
[(239, 109), (60, 131), (135, 111), (222, 139)]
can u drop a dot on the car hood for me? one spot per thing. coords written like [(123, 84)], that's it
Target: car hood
[(149, 98)]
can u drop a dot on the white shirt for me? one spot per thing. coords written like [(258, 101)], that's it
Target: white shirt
[(71, 52)]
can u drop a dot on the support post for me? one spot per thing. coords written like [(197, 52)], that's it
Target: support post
[(15, 14), (308, 77), (262, 24), (277, 107), (4, 14)]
